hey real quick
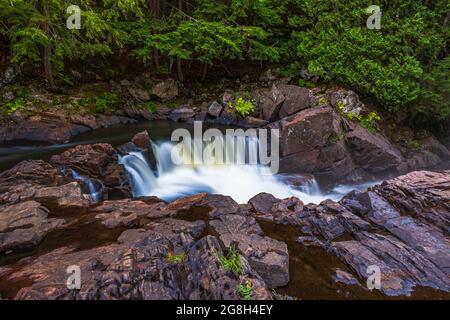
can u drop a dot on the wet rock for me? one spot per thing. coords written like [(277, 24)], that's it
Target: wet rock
[(182, 114), (296, 99), (142, 140), (262, 203), (24, 225), (401, 266), (136, 268), (215, 109), (252, 122), (90, 159), (265, 255), (166, 90)]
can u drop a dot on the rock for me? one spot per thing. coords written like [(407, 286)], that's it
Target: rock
[(401, 266), (139, 94), (182, 114), (41, 131), (129, 213), (64, 196), (10, 75), (348, 101), (24, 225), (166, 90), (220, 205), (270, 104), (267, 75), (373, 152), (252, 122), (345, 277), (30, 171), (90, 159), (143, 141), (137, 268), (263, 202), (311, 141), (215, 109), (296, 99), (287, 211), (268, 257)]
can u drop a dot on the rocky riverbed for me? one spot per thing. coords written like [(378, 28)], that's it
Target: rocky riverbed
[(125, 247)]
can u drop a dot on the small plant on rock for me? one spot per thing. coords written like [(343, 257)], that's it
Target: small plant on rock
[(232, 261), (245, 290), (244, 107), (176, 258)]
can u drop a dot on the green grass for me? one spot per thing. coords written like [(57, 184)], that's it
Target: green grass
[(232, 261)]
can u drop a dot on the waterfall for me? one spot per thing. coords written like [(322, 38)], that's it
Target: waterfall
[(142, 178), (240, 177), (95, 195)]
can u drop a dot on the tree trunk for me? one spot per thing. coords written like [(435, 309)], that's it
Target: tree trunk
[(205, 71), (179, 64), (46, 54)]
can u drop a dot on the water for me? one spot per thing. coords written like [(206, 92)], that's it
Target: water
[(94, 193), (240, 179)]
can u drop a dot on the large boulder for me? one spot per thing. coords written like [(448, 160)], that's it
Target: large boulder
[(24, 225), (373, 152), (215, 109), (266, 256), (142, 140)]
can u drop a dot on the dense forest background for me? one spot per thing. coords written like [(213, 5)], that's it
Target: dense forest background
[(404, 65)]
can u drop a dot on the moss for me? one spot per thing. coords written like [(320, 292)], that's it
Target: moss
[(176, 258)]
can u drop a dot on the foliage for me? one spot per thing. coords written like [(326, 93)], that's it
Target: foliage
[(367, 121), (232, 261), (150, 106), (404, 65), (12, 106), (177, 258), (245, 290), (105, 102), (244, 107)]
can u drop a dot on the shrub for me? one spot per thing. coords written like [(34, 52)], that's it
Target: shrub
[(106, 101), (244, 107)]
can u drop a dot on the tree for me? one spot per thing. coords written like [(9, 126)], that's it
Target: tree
[(39, 35)]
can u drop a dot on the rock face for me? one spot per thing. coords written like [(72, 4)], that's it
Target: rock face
[(182, 114), (400, 226), (166, 90), (24, 225), (270, 104)]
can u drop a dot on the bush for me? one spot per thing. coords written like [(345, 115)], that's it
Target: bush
[(106, 102), (176, 258), (244, 107)]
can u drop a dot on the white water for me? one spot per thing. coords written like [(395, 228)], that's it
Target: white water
[(241, 182), (95, 195)]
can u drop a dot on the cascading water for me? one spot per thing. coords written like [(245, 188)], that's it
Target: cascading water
[(95, 195), (241, 179)]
